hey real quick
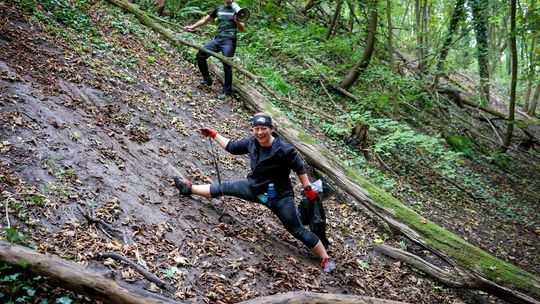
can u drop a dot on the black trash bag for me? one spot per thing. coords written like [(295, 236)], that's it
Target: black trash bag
[(312, 214)]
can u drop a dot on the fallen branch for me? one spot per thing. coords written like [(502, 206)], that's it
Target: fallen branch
[(452, 94), (145, 273), (299, 297), (92, 220), (346, 93), (330, 97), (77, 278)]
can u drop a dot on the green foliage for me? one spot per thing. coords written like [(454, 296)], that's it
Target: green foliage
[(501, 159), (68, 13), (12, 236), (460, 143), (17, 286)]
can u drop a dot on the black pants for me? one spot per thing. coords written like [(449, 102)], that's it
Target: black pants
[(285, 208), (227, 47)]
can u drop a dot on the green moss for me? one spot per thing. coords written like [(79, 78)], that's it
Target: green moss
[(467, 255), (458, 249), (306, 138)]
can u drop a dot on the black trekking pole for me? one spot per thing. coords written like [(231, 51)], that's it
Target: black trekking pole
[(215, 157)]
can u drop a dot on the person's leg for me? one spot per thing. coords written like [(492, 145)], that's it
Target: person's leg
[(240, 188), (285, 210), (228, 49), (202, 57)]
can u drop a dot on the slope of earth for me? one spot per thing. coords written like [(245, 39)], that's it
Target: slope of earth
[(106, 129)]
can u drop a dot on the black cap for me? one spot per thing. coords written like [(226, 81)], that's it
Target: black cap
[(262, 120)]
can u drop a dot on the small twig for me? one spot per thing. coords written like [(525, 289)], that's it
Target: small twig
[(33, 119), (106, 233), (7, 213), (389, 169), (103, 224), (140, 269), (331, 99), (494, 130)]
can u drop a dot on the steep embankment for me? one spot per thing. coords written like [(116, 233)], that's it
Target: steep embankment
[(106, 128)]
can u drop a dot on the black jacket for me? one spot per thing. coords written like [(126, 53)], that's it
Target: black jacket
[(275, 168)]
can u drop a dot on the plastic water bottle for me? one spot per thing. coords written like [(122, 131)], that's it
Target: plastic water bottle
[(271, 194)]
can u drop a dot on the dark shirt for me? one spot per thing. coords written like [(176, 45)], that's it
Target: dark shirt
[(269, 165), (226, 24)]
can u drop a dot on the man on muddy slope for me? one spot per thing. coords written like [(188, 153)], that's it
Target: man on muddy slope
[(271, 161), (224, 42)]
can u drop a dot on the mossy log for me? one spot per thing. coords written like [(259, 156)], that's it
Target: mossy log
[(496, 276), (77, 278)]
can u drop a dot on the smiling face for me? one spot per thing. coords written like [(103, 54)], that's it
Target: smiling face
[(263, 135)]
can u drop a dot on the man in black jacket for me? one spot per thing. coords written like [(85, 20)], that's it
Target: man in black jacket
[(271, 161), (224, 42)]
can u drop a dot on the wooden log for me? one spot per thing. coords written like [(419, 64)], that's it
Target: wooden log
[(458, 280), (299, 297), (77, 278)]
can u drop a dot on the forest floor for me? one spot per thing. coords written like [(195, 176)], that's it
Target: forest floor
[(79, 128)]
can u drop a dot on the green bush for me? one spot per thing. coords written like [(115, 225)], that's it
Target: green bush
[(460, 143)]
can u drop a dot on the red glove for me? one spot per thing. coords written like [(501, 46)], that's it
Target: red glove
[(310, 193), (208, 132)]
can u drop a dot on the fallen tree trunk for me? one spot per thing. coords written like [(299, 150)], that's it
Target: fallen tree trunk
[(459, 280), (450, 247), (77, 278), (299, 297), (461, 100)]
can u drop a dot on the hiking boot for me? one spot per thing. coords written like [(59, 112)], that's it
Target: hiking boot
[(206, 81), (328, 264), (223, 96), (183, 186)]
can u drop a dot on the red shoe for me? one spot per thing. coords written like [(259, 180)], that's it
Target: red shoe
[(183, 186), (328, 264)]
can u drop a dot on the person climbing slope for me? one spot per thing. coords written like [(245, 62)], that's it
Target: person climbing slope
[(271, 161), (224, 42)]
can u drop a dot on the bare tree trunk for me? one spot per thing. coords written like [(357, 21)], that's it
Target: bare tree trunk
[(355, 72), (513, 82), (457, 16), (333, 24), (310, 5), (422, 63), (390, 47), (530, 74), (418, 30), (534, 100), (160, 6), (480, 27)]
